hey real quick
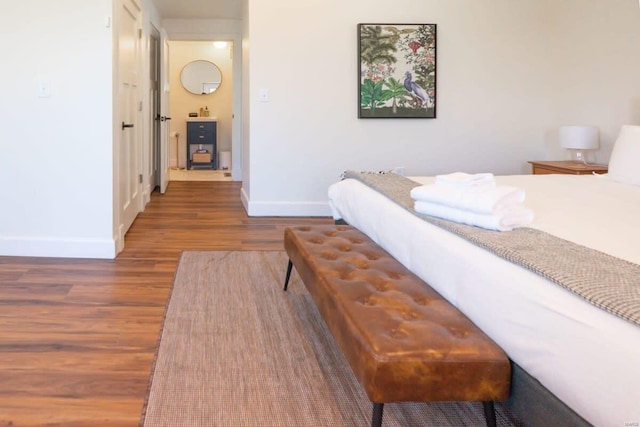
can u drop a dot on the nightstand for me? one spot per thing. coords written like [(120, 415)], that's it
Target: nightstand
[(566, 167)]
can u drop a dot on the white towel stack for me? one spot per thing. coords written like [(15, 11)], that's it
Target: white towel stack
[(473, 199)]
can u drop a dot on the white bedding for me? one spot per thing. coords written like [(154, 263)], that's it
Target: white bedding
[(588, 358)]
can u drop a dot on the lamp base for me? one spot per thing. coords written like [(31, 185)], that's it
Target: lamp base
[(579, 156)]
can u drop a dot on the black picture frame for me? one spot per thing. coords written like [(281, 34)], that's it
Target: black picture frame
[(397, 71)]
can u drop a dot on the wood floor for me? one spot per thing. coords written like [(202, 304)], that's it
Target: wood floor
[(78, 337)]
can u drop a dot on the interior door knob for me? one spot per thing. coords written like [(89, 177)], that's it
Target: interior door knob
[(126, 125)]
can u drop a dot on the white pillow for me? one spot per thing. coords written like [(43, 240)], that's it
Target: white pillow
[(624, 165)]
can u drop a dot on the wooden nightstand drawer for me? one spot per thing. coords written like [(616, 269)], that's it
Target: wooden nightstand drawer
[(566, 167)]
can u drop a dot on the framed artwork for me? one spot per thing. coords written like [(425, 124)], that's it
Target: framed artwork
[(397, 71)]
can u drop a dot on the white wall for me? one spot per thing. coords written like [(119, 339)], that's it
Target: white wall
[(56, 152), (501, 67), (597, 57)]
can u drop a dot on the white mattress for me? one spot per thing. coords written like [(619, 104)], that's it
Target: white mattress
[(588, 358)]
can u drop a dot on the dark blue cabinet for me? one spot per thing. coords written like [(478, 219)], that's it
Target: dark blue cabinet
[(201, 144)]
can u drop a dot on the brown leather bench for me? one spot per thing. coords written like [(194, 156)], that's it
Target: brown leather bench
[(403, 341)]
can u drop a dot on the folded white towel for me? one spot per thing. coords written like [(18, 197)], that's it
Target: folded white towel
[(504, 220), (463, 178), (469, 182), (484, 202)]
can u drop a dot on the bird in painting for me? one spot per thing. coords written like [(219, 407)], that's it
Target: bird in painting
[(415, 89)]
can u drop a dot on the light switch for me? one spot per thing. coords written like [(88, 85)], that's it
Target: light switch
[(264, 95), (44, 88)]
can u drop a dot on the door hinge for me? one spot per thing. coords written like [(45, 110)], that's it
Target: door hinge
[(140, 178), (139, 33)]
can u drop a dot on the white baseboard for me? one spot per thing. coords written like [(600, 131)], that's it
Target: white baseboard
[(293, 209), (57, 248), (146, 196)]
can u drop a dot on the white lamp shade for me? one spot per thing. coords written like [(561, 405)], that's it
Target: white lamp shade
[(580, 137)]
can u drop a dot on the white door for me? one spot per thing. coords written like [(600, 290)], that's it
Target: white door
[(128, 169)]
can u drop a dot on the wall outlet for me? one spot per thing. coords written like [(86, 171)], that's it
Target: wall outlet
[(399, 170)]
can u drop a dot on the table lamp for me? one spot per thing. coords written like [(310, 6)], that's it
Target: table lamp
[(578, 139)]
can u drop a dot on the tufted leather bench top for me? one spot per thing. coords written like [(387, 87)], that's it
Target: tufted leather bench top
[(403, 341)]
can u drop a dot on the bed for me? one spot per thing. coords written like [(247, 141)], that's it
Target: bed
[(574, 363)]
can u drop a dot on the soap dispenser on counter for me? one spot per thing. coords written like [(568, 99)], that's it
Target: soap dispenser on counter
[(206, 111)]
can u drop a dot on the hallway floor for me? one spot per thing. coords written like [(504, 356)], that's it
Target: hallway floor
[(199, 175)]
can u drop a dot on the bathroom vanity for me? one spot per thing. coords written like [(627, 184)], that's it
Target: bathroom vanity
[(202, 142)]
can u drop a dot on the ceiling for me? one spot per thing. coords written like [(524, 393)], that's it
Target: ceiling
[(199, 9)]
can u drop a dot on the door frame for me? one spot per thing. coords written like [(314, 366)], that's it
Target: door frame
[(236, 107), (155, 106), (158, 105), (165, 146)]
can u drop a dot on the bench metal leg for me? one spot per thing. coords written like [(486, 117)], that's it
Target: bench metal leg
[(376, 420), (286, 280), (489, 414)]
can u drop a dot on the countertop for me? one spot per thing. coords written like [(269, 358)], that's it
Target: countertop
[(202, 119)]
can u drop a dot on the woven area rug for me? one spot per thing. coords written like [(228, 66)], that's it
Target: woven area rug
[(236, 350)]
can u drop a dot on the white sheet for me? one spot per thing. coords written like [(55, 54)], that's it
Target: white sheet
[(587, 357)]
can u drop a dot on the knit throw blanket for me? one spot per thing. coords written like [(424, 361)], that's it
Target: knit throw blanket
[(610, 283)]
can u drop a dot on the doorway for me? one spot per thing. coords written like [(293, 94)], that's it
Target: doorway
[(219, 105), (155, 103)]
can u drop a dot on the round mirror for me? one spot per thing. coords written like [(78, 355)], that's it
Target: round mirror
[(201, 77)]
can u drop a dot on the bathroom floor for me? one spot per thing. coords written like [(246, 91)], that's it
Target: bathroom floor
[(199, 175)]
